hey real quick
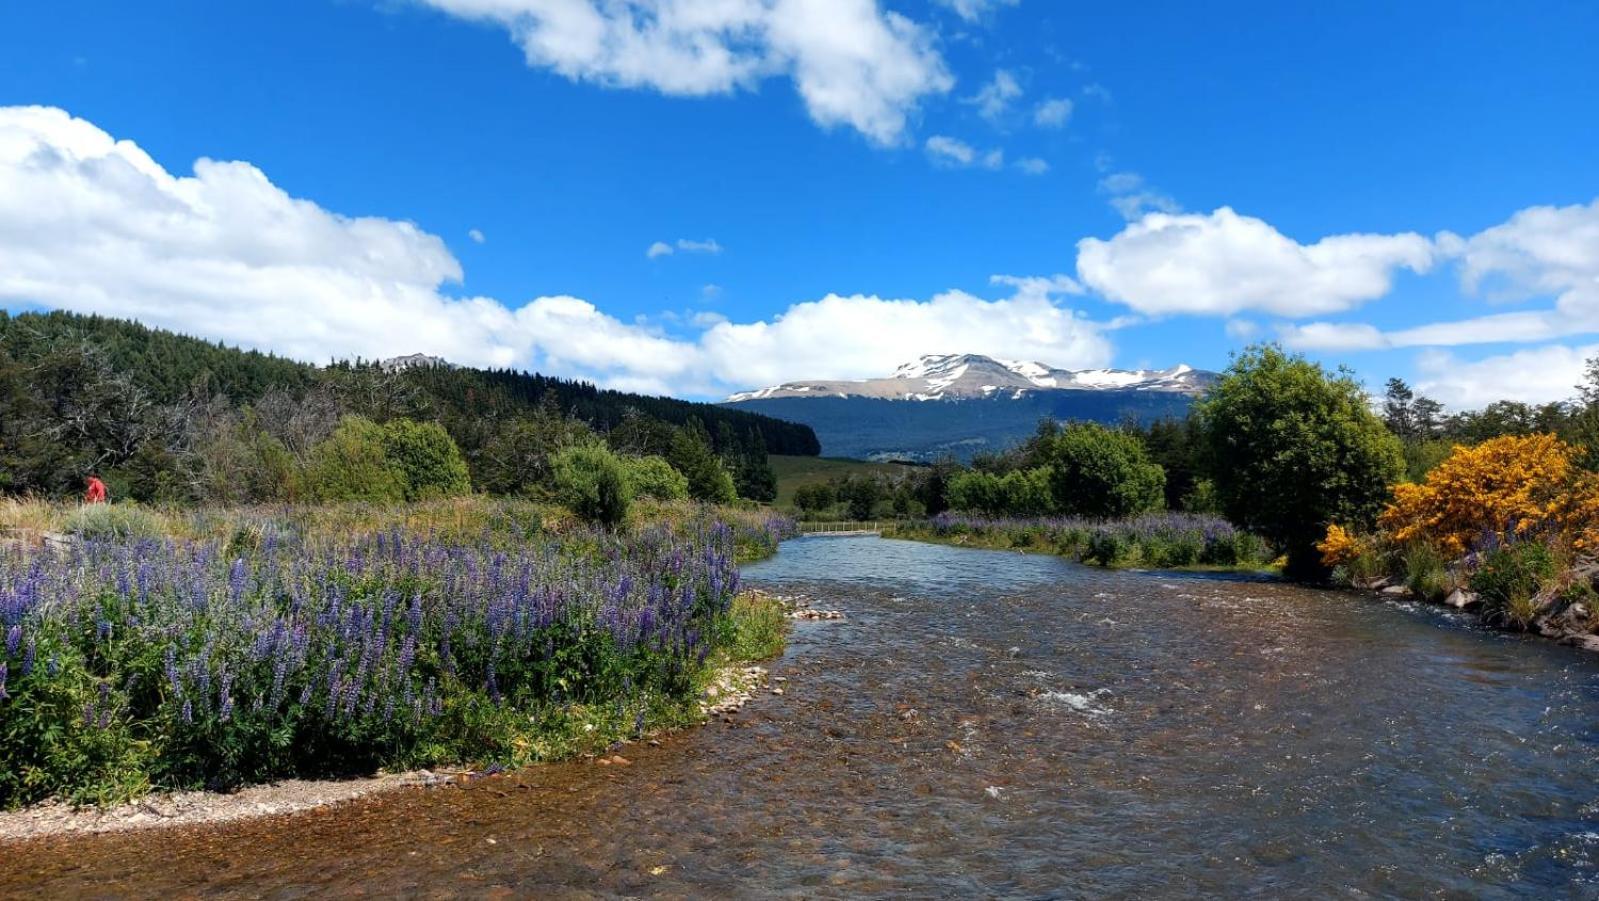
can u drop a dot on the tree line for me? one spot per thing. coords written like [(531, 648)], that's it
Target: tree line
[(1281, 446), (169, 418)]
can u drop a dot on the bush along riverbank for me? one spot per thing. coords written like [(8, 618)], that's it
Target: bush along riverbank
[(1156, 540), (129, 664), (1508, 529)]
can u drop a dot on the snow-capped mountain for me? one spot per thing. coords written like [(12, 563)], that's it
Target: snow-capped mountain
[(971, 376), (962, 404)]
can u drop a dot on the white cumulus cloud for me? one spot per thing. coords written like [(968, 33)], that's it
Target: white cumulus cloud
[(1541, 251), (948, 151), (92, 224), (852, 62), (1534, 375), (993, 100), (1054, 112), (1222, 264)]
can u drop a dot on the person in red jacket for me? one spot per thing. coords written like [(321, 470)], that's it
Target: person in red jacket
[(96, 492)]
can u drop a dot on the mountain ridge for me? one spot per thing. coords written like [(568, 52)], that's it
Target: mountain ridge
[(972, 376), (959, 405)]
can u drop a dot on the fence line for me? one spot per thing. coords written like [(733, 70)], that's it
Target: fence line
[(859, 526)]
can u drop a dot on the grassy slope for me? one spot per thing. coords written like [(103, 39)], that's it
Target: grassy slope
[(793, 472)]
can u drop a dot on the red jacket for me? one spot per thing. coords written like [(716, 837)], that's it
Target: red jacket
[(96, 492)]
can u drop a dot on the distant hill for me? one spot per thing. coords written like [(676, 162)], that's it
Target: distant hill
[(963, 404), (81, 394)]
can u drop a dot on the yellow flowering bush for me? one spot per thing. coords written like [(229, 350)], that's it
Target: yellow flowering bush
[(1577, 513), (1503, 485), (1339, 547)]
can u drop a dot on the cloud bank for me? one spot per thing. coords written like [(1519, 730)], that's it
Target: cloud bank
[(92, 224), (853, 63), (1222, 264)]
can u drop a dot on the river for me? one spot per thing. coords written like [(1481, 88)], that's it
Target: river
[(992, 724)]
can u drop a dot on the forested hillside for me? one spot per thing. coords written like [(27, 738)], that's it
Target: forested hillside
[(168, 417)]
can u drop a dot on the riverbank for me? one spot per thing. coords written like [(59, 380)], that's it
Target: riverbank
[(1170, 541), (726, 692), (131, 665)]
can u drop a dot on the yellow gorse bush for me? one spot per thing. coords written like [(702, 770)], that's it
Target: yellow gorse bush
[(1503, 485), (1339, 547)]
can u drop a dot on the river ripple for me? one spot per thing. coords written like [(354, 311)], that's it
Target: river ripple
[(993, 724)]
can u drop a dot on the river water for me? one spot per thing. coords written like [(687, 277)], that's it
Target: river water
[(992, 724)]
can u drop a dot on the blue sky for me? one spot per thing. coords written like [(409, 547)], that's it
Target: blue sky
[(839, 181)]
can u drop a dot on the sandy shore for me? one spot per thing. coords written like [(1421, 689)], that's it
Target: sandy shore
[(189, 808)]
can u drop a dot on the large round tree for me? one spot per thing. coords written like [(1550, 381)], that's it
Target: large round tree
[(1293, 448), (1102, 472)]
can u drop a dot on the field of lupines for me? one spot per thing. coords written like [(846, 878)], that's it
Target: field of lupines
[(132, 663), (1159, 540)]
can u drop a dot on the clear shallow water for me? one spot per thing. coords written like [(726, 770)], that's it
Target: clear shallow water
[(992, 724)]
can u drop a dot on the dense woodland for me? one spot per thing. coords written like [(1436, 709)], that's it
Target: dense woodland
[(168, 418)]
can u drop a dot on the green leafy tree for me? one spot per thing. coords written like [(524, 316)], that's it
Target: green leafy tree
[(653, 477), (593, 482), (1293, 448), (1100, 471), (1020, 492), (352, 464), (691, 455), (860, 495), (815, 497), (516, 459), (428, 460)]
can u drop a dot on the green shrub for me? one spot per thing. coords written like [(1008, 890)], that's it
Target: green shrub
[(1508, 580), (755, 628), (1425, 572), (653, 477), (353, 464), (1106, 548), (114, 522), (1102, 472), (429, 463), (593, 483)]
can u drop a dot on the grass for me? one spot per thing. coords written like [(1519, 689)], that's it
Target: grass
[(1172, 541), (794, 473)]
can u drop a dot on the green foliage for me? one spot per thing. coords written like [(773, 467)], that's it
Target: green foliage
[(353, 465), (1175, 446), (168, 418), (691, 455), (594, 483), (755, 628), (860, 495), (1292, 448), (1016, 493), (429, 463), (1422, 456), (815, 498), (1425, 572), (516, 459), (61, 735), (653, 477), (1102, 472), (1509, 578)]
